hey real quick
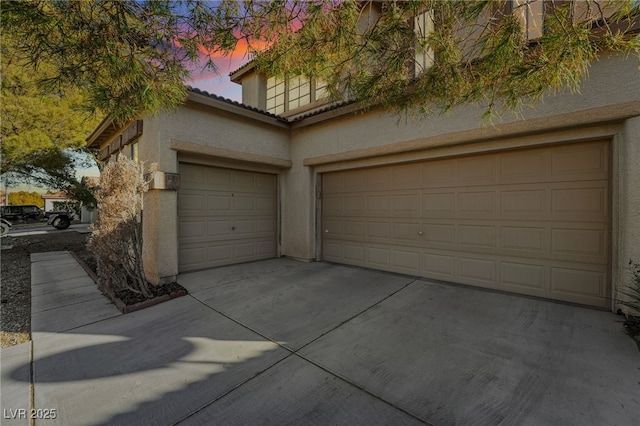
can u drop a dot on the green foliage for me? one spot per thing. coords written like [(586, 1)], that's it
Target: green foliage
[(130, 57), (43, 133), (141, 51), (26, 198), (631, 294), (481, 54)]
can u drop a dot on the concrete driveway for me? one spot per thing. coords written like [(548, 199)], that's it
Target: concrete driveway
[(284, 342)]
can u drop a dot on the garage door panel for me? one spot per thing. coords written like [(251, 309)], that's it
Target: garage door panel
[(194, 255), (579, 162), (379, 256), (243, 204), (221, 179), (219, 254), (265, 204), (216, 204), (192, 230), (480, 170), (408, 232), (439, 204), (439, 265), (527, 239), (354, 252), (527, 221), (478, 236), (405, 205), (589, 203), (518, 275), (354, 229), (525, 166), (378, 177), (406, 177), (333, 251), (580, 282), (218, 228), (477, 271), (477, 203), (225, 216), (192, 204), (581, 242), (524, 201), (354, 205), (378, 230), (406, 260), (378, 204), (439, 234)]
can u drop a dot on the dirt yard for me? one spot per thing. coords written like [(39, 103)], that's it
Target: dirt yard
[(15, 288)]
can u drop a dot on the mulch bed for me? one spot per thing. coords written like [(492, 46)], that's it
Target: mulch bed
[(129, 301)]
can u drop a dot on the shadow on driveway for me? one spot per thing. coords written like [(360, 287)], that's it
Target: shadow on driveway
[(283, 342)]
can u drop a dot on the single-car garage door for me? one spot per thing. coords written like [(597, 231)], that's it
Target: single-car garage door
[(225, 216), (533, 221)]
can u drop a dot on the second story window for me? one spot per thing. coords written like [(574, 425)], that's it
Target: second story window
[(299, 92), (275, 95), (423, 26), (530, 13), (293, 94)]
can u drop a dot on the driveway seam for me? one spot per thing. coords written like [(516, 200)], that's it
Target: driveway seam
[(242, 383), (357, 315), (304, 358), (363, 389)]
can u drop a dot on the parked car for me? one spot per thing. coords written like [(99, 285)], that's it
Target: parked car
[(5, 226), (21, 213), (59, 219)]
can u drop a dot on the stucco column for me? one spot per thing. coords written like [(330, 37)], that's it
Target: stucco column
[(628, 244), (298, 213), (160, 236), (159, 216)]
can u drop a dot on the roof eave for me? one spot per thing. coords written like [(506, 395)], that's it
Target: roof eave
[(105, 130), (237, 75)]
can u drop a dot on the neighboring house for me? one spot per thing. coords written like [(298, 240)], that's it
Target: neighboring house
[(543, 205), (53, 201), (88, 215)]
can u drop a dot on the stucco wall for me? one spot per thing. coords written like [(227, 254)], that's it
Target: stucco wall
[(612, 87), (628, 180), (605, 107), (197, 128), (205, 127)]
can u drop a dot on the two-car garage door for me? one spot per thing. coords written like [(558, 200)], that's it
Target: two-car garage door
[(225, 216), (533, 221)]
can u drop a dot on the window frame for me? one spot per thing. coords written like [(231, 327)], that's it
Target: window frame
[(284, 107)]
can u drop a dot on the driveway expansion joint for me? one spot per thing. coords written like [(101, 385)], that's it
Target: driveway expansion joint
[(296, 352)]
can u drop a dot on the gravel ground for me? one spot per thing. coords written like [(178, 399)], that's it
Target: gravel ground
[(15, 287)]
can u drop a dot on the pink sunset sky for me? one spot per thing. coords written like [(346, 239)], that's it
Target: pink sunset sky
[(217, 81)]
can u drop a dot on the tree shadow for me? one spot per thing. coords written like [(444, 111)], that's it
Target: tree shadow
[(157, 365)]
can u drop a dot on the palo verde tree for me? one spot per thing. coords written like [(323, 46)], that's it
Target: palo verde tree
[(481, 51)]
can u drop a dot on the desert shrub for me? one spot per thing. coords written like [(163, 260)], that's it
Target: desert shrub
[(631, 294), (116, 238)]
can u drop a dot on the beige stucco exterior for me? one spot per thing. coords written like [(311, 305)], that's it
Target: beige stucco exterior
[(211, 131)]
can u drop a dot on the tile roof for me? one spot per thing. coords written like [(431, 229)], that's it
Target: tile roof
[(232, 102), (320, 110)]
